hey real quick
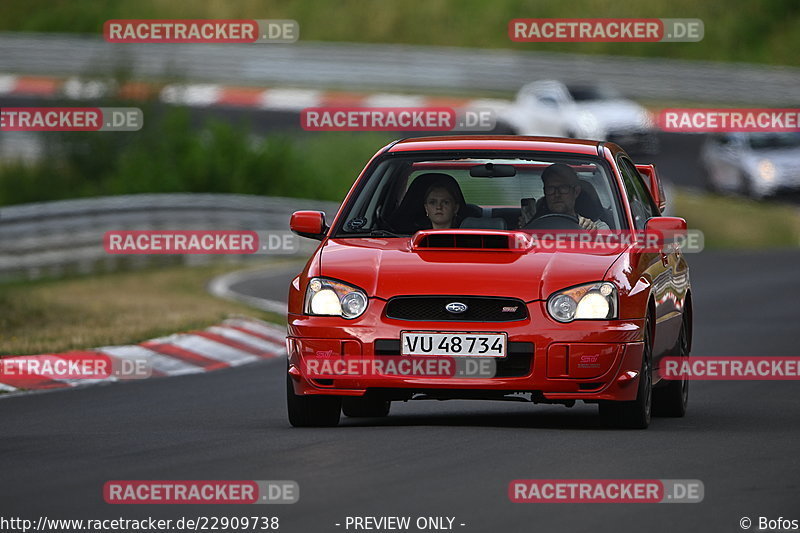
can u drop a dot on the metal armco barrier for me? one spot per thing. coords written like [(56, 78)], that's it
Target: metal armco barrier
[(391, 67), (51, 239)]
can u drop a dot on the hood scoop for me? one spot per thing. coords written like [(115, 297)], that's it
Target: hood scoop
[(458, 239)]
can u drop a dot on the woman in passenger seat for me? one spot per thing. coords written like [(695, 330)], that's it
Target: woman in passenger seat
[(412, 213), (441, 206)]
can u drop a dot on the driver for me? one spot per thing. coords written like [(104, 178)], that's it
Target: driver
[(561, 189)]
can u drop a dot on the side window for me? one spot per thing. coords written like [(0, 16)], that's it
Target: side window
[(548, 101), (642, 206), (721, 139)]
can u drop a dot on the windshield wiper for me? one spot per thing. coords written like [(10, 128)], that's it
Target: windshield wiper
[(384, 233), (373, 233)]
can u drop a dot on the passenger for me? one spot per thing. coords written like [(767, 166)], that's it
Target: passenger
[(441, 206)]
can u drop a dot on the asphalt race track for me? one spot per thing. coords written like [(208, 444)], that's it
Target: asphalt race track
[(432, 458)]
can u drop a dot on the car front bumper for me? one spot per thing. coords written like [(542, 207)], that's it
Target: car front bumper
[(587, 359)]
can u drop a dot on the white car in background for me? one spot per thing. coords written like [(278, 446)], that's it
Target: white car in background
[(597, 112), (752, 164)]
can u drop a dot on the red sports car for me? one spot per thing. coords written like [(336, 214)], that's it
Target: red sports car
[(491, 268)]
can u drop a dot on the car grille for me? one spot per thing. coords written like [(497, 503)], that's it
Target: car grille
[(479, 309), (516, 363)]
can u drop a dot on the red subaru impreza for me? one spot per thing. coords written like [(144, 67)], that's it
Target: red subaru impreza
[(491, 268)]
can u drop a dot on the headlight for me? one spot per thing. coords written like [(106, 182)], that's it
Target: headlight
[(593, 301), (327, 297), (766, 170)]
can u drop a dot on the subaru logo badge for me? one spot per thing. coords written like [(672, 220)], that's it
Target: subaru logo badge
[(456, 307)]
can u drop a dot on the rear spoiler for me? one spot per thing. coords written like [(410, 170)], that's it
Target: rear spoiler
[(654, 184)]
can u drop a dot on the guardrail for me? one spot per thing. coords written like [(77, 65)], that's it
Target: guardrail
[(51, 239), (387, 66)]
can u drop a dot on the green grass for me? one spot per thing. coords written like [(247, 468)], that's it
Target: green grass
[(735, 30), (170, 154), (112, 309), (739, 223)]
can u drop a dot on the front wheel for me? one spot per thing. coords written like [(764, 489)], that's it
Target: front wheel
[(634, 414), (672, 400), (709, 181), (745, 187), (311, 411)]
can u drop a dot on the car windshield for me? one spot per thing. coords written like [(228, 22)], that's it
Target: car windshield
[(593, 92), (762, 141), (402, 195)]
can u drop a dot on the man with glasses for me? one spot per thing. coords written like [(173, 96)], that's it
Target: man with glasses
[(561, 189)]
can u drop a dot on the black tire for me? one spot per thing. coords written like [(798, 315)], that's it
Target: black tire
[(672, 399), (365, 407), (745, 186), (708, 181), (634, 414), (311, 411)]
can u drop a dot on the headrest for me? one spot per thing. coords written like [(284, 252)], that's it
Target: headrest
[(483, 223), (410, 214)]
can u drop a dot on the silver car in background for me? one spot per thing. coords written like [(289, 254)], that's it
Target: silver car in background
[(756, 165), (585, 111)]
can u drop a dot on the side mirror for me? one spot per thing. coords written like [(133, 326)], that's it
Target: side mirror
[(309, 224), (666, 231), (653, 182)]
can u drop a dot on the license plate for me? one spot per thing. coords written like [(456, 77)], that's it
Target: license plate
[(453, 344)]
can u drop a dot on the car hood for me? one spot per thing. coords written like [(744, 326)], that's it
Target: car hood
[(390, 267), (615, 114)]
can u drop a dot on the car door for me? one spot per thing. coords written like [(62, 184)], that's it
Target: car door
[(660, 267)]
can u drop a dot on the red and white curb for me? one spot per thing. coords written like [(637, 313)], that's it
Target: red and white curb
[(234, 342), (210, 94)]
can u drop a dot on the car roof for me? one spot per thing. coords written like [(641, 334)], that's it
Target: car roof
[(498, 142)]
